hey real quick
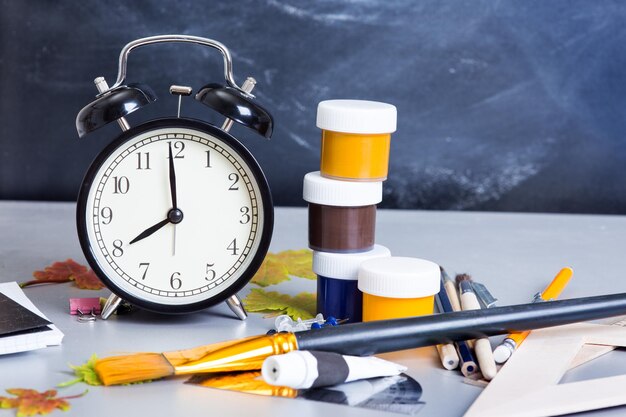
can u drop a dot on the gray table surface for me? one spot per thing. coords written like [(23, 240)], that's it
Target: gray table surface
[(515, 255)]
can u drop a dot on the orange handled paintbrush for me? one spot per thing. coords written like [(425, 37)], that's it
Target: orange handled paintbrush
[(359, 338)]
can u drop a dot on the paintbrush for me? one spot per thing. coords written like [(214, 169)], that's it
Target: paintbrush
[(359, 338), (482, 347)]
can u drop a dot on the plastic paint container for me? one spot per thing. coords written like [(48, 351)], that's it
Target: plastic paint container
[(355, 138), (342, 214), (398, 287), (337, 285)]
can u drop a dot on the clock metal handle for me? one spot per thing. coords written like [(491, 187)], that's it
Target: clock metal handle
[(228, 62)]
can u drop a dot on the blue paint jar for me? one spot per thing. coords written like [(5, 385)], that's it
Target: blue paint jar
[(338, 294)]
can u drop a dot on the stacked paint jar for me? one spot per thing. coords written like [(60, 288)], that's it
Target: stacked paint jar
[(342, 199)]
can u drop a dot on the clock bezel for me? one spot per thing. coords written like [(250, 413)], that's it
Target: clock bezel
[(255, 170)]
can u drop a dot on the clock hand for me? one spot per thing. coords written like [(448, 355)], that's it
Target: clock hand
[(174, 216), (172, 179), (150, 230)]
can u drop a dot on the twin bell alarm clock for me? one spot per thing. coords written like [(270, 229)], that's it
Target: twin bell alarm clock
[(175, 215)]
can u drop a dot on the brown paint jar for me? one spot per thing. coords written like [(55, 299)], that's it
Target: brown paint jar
[(342, 214)]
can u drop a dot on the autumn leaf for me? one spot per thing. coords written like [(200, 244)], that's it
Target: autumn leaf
[(302, 305), (88, 281), (85, 373), (299, 263), (277, 267), (271, 272), (66, 271), (30, 402)]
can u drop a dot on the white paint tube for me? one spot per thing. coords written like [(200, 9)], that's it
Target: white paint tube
[(309, 369)]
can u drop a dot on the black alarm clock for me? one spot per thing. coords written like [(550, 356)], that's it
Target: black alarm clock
[(175, 215)]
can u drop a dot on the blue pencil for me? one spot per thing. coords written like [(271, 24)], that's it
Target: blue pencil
[(468, 362)]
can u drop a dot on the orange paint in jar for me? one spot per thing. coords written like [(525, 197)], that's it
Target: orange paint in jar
[(356, 136), (398, 287)]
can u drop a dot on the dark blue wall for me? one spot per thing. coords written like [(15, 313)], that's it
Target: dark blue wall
[(502, 105)]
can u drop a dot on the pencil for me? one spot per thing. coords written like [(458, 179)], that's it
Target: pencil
[(504, 350), (482, 347), (447, 351), (466, 358), (450, 288)]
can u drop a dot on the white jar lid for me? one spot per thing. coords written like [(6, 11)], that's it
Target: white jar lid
[(329, 192), (344, 265), (356, 116), (399, 277)]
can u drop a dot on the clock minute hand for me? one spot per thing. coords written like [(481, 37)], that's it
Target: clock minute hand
[(172, 179), (150, 230)]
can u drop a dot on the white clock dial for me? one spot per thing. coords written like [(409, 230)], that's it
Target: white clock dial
[(221, 230)]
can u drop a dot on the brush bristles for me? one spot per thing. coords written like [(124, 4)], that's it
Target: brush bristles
[(463, 277), (138, 367)]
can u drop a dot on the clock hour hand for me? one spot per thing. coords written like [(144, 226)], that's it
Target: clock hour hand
[(150, 230), (172, 180), (174, 216)]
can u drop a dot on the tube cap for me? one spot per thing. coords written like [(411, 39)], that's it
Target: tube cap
[(328, 192), (345, 265), (356, 116), (293, 369), (399, 277)]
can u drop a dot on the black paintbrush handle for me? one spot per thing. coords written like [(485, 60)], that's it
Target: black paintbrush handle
[(392, 335)]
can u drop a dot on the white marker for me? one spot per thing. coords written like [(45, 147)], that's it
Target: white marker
[(307, 369)]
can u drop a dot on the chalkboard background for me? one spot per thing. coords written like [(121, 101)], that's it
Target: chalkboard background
[(502, 105)]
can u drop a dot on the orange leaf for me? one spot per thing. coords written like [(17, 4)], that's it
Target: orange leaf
[(66, 271), (88, 281), (30, 402)]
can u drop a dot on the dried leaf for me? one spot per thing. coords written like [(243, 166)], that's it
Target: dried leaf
[(85, 373), (302, 305), (30, 402), (277, 267), (88, 281), (66, 271), (271, 272)]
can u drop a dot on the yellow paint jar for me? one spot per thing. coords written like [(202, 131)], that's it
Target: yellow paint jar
[(398, 287), (356, 135)]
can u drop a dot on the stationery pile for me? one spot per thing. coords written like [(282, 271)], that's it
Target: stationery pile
[(471, 295), (22, 326)]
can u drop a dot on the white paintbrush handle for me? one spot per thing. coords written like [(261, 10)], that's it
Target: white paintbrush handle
[(484, 356), (482, 347), (469, 301)]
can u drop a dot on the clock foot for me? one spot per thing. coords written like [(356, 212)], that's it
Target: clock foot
[(236, 306), (110, 306)]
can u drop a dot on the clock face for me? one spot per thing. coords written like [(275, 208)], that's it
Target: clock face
[(182, 247)]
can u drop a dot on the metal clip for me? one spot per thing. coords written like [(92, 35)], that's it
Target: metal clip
[(537, 298), (484, 295), (86, 318)]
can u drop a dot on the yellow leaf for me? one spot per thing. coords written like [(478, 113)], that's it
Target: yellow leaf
[(299, 263), (277, 267), (302, 305)]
